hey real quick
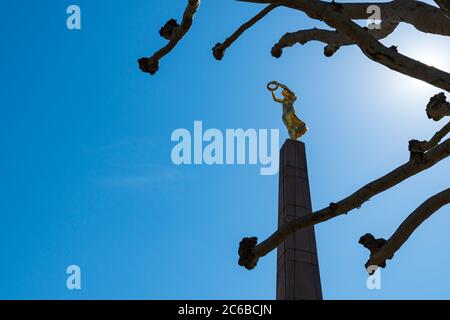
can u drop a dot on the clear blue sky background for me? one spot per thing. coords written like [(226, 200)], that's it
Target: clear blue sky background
[(86, 174)]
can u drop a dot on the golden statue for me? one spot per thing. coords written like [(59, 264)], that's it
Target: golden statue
[(295, 126)]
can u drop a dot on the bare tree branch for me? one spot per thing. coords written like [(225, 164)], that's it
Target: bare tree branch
[(333, 39), (172, 32), (333, 15), (355, 200), (438, 107), (424, 17), (219, 48), (381, 250), (370, 46)]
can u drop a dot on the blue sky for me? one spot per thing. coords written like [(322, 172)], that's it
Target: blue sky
[(87, 178)]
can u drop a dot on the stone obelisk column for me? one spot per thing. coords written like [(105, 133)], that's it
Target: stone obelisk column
[(298, 275)]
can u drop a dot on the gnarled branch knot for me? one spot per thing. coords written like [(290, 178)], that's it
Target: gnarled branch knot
[(374, 246), (438, 107), (247, 258), (148, 65), (168, 29), (218, 51)]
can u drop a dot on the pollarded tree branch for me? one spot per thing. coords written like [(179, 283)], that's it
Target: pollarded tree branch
[(381, 250), (371, 47), (438, 107), (174, 33), (416, 146), (334, 40), (333, 15), (424, 17), (219, 48), (355, 200)]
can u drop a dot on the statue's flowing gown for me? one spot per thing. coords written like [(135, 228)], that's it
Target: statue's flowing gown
[(295, 126)]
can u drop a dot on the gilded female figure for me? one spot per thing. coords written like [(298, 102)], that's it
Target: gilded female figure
[(295, 126)]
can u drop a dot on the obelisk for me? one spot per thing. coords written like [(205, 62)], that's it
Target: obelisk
[(298, 275)]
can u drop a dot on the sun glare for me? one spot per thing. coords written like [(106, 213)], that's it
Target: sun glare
[(433, 57)]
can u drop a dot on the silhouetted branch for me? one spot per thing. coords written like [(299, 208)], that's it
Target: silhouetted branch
[(333, 39), (174, 33), (424, 17), (385, 250), (416, 146), (333, 15), (219, 48), (369, 242), (438, 107)]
